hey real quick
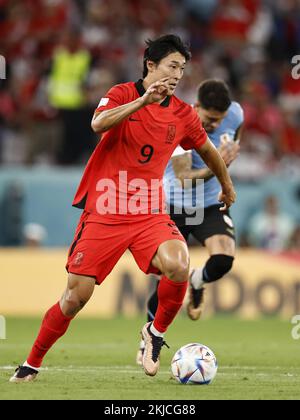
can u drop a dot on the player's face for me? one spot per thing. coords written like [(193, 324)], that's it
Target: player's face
[(171, 66), (210, 118)]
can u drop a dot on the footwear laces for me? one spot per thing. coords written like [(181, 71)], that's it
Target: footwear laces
[(23, 371), (157, 343)]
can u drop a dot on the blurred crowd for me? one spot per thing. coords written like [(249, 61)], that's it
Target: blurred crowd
[(272, 229), (63, 55)]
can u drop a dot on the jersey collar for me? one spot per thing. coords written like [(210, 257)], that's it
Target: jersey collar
[(141, 90)]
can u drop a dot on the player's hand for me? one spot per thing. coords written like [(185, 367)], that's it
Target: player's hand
[(229, 150), (156, 92), (227, 196)]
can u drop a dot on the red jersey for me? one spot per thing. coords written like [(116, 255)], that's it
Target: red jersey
[(124, 174)]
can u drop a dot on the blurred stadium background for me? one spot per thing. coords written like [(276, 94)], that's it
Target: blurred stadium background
[(62, 56)]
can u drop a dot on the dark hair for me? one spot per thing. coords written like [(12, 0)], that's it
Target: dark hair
[(214, 94), (163, 46)]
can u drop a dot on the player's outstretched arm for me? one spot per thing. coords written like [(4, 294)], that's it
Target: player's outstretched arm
[(216, 164), (103, 121)]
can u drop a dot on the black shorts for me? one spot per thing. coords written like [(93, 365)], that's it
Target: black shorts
[(215, 222)]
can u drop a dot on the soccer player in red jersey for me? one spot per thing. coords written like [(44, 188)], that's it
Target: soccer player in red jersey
[(121, 194)]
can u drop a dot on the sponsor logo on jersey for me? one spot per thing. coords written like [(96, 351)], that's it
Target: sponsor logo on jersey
[(133, 119)]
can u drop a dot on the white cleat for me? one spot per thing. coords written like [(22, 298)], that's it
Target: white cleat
[(24, 374), (153, 345)]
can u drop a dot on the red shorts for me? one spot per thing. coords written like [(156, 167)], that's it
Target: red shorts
[(98, 246)]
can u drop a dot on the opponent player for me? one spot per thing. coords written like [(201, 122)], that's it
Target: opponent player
[(222, 120), (122, 196)]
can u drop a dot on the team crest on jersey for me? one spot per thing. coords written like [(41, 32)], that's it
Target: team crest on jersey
[(78, 259), (225, 137), (171, 134)]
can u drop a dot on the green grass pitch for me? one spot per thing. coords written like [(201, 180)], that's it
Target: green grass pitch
[(96, 360)]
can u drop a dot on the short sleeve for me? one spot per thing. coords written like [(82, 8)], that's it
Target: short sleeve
[(196, 136), (116, 96), (238, 113)]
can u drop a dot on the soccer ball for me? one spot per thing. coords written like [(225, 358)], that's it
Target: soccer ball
[(194, 363)]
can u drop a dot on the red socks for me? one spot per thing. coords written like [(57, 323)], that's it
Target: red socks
[(54, 325), (170, 299)]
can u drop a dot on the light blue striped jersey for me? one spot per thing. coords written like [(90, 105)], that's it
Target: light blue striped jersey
[(191, 198)]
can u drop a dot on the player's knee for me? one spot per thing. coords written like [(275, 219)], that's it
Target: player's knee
[(218, 266), (177, 269), (76, 295), (72, 303), (76, 300)]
